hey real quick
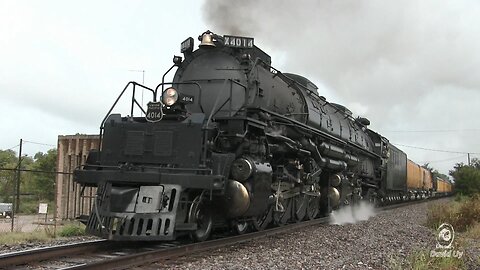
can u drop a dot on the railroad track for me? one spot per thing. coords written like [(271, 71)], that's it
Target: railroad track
[(102, 254), (8, 260), (70, 255)]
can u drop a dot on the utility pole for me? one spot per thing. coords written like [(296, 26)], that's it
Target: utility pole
[(468, 154), (143, 83), (17, 202)]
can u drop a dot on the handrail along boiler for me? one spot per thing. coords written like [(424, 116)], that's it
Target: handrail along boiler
[(232, 141)]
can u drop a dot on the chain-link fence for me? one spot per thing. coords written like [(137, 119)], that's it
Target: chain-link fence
[(33, 200), (23, 206)]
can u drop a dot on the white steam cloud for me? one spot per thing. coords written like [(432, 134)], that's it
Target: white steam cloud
[(352, 213)]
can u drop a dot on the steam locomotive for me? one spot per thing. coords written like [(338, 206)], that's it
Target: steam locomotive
[(233, 142)]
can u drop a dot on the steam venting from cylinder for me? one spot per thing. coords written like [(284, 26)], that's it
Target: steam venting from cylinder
[(351, 214)]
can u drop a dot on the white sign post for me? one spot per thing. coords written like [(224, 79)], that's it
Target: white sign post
[(43, 209)]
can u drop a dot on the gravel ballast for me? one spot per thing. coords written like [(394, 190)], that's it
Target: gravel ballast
[(380, 242), (388, 237)]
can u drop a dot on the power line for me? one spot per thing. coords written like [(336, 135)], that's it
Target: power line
[(45, 144), (442, 160), (11, 148), (434, 150)]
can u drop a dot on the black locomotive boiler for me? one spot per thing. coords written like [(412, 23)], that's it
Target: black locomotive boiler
[(232, 142)]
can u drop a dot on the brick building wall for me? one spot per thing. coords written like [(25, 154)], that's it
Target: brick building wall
[(71, 200)]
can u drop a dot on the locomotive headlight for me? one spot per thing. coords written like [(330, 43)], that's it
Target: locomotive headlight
[(170, 96)]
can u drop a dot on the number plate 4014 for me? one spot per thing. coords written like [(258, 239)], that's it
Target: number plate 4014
[(154, 112), (238, 42)]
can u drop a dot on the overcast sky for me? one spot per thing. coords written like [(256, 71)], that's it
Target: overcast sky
[(409, 66), (63, 63)]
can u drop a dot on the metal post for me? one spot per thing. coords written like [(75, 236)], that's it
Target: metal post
[(17, 203), (55, 209), (143, 83), (143, 89), (468, 154), (12, 215)]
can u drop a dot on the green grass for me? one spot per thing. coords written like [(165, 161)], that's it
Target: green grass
[(473, 232), (14, 238), (42, 236), (74, 229), (461, 214), (421, 260)]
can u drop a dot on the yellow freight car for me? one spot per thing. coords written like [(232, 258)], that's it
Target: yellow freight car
[(414, 176), (427, 179), (419, 179), (449, 187), (443, 186)]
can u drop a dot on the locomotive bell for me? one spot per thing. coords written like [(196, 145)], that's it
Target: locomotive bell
[(207, 40)]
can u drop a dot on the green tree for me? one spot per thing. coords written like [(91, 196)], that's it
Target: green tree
[(7, 157), (435, 172), (43, 184), (467, 178), (8, 160)]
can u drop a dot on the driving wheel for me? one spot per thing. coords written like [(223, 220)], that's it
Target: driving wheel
[(201, 214)]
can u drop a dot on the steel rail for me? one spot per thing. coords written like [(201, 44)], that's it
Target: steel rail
[(45, 253), (408, 203)]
